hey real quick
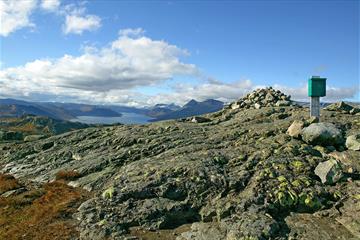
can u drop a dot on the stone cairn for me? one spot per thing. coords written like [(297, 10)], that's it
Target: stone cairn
[(265, 97)]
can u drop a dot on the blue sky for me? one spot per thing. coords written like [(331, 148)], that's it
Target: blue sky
[(213, 49)]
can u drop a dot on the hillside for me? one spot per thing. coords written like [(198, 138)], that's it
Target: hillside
[(60, 111), (30, 127), (254, 170)]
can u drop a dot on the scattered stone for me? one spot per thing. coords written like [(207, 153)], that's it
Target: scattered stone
[(329, 171), (324, 134), (295, 129), (353, 142)]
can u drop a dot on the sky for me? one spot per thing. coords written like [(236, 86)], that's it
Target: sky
[(140, 53)]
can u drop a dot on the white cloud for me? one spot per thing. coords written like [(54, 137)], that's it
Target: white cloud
[(77, 24), (15, 15), (134, 32), (50, 5), (126, 63)]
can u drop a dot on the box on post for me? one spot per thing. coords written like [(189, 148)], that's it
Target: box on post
[(317, 87)]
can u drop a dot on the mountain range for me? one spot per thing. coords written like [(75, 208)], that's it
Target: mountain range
[(68, 111)]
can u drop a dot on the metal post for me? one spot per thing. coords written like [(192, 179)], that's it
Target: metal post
[(315, 107)]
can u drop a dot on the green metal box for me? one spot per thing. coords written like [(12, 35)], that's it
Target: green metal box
[(317, 87)]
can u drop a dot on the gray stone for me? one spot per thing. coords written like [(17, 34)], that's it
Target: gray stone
[(283, 103), (324, 134), (353, 142), (340, 107), (235, 105), (329, 171), (257, 105), (198, 119), (295, 129), (354, 111), (31, 138)]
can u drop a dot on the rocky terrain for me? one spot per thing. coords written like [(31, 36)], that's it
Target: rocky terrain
[(258, 169)]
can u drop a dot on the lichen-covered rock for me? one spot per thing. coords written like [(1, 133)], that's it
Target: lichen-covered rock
[(325, 134), (329, 171), (340, 107), (353, 142)]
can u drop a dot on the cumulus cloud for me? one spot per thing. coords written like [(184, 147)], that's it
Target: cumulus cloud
[(15, 15), (77, 24), (125, 63), (50, 5)]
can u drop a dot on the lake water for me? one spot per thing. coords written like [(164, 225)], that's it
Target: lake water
[(126, 118)]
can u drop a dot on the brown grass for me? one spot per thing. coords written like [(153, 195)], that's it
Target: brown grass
[(67, 175), (7, 183), (44, 213), (26, 128)]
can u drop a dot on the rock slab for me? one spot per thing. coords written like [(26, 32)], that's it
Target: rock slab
[(329, 171), (324, 134)]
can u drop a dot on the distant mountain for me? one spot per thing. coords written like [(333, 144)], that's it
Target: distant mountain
[(61, 111), (76, 109), (192, 108), (68, 111), (160, 110), (17, 110)]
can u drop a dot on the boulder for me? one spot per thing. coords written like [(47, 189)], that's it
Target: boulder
[(329, 171), (295, 129), (283, 103), (340, 107), (31, 138), (354, 111), (197, 119), (44, 146), (324, 134), (235, 105), (353, 142)]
